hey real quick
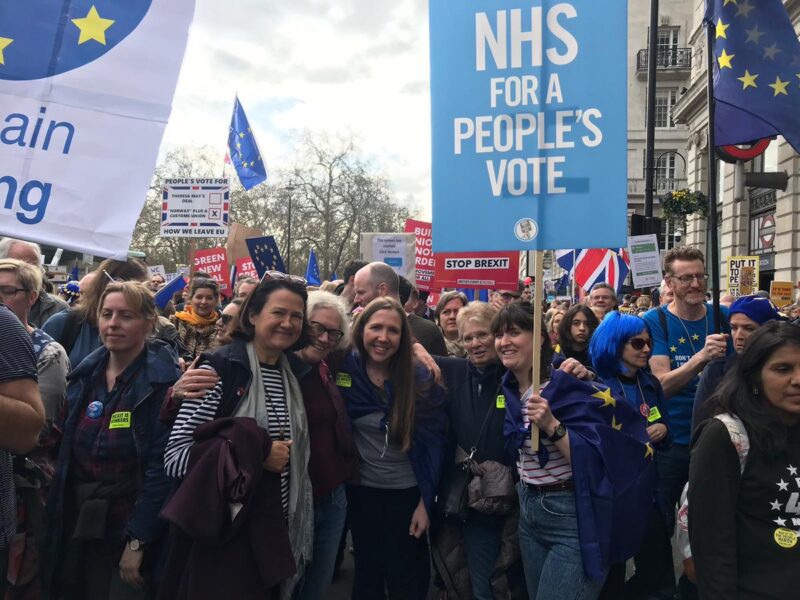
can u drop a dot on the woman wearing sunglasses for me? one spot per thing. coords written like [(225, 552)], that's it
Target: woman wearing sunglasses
[(620, 349), (257, 381), (226, 324)]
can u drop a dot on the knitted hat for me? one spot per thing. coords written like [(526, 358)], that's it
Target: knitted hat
[(756, 308)]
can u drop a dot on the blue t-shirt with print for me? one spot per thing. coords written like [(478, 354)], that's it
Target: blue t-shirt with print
[(684, 340)]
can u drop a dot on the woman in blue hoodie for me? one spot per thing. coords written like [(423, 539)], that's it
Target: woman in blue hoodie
[(620, 349), (399, 425)]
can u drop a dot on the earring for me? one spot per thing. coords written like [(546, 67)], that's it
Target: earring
[(756, 392)]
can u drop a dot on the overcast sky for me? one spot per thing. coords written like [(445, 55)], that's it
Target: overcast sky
[(353, 66)]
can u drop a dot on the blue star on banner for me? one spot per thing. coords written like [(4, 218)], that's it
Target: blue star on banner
[(243, 150), (43, 38), (756, 71), (265, 254)]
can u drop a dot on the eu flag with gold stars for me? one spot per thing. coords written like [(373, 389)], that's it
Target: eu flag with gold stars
[(265, 255), (612, 469), (756, 71), (243, 150)]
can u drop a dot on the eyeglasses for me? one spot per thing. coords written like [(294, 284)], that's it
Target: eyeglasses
[(640, 343), (687, 279), (318, 329), (481, 337), (509, 296), (9, 291), (278, 276)]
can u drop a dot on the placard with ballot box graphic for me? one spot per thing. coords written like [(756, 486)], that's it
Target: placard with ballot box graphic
[(195, 208)]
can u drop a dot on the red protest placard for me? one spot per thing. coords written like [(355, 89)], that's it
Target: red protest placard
[(425, 260), (214, 261), (245, 268), (496, 270)]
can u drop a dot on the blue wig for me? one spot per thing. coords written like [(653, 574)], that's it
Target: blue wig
[(608, 340)]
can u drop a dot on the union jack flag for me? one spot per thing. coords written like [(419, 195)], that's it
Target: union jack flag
[(596, 265)]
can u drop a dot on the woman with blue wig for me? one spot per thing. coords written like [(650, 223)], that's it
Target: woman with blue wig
[(620, 349)]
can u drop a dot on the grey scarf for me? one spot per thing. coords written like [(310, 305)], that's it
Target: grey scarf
[(301, 500)]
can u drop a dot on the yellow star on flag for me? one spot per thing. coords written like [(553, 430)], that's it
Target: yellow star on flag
[(725, 60), (673, 348), (721, 29), (4, 43), (729, 2), (748, 80), (241, 134), (648, 453), (779, 87), (606, 397), (614, 424), (744, 9), (93, 27), (681, 340)]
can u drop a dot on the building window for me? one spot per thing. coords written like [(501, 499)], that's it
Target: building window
[(668, 235), (664, 176), (667, 46), (665, 100)]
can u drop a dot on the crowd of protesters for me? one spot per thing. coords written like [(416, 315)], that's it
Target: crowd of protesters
[(228, 447)]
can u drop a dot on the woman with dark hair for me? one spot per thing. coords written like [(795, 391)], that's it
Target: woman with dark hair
[(548, 524), (197, 322), (447, 309), (743, 475), (104, 533), (620, 349), (574, 333), (399, 425), (258, 382), (76, 329)]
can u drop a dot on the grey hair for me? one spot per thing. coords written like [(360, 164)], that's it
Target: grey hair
[(319, 299), (7, 242), (662, 289)]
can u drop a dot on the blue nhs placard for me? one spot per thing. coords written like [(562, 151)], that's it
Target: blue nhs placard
[(529, 124)]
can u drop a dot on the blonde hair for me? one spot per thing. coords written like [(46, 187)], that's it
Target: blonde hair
[(29, 277), (477, 312)]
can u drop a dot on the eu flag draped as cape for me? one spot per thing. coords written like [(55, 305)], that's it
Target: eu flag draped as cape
[(756, 67), (612, 467)]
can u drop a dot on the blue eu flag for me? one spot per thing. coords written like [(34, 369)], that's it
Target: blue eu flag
[(244, 153), (612, 469), (312, 269), (265, 254), (165, 294), (756, 66)]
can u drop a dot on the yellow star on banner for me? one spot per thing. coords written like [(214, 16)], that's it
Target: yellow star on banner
[(614, 424), (725, 60), (673, 348), (4, 43), (696, 337), (681, 340), (648, 453), (93, 27), (729, 2), (606, 397), (779, 87), (241, 134), (721, 29), (748, 80), (744, 9)]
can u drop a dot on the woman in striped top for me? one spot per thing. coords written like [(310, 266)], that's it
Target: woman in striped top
[(548, 524), (258, 378)]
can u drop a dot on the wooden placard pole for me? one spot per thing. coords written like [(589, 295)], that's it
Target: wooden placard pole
[(537, 298)]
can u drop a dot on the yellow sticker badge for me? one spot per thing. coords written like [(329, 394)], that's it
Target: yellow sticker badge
[(344, 380), (785, 538), (501, 401), (654, 415), (120, 420)]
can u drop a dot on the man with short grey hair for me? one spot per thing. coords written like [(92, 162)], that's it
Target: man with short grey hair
[(47, 304), (604, 297)]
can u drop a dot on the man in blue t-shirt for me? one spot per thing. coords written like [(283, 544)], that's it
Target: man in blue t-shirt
[(684, 342)]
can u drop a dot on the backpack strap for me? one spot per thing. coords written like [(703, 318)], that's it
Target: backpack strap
[(662, 319), (72, 328), (738, 435)]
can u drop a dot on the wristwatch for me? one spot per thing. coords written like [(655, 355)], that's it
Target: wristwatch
[(559, 432), (135, 545)]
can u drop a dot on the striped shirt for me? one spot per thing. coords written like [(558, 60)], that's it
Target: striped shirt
[(195, 412), (556, 470)]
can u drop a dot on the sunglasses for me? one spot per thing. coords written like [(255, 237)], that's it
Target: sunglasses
[(226, 319), (278, 276), (640, 343)]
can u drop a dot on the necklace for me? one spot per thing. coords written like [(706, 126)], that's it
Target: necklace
[(644, 409), (686, 331)]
